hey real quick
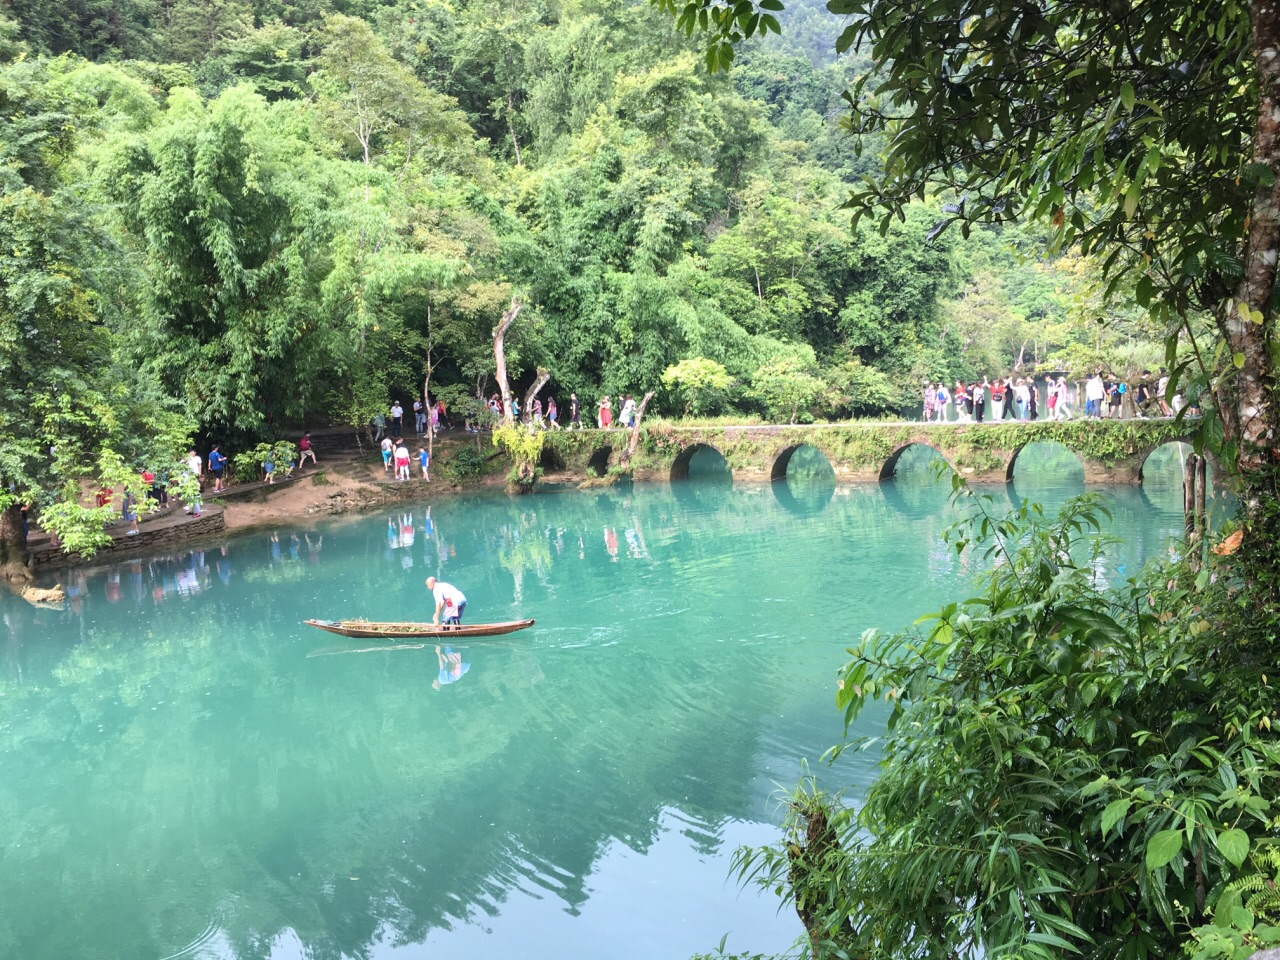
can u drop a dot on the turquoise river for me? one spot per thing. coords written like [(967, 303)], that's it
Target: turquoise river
[(187, 771)]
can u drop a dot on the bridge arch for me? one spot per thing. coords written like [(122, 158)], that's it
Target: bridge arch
[(783, 460), (1011, 468), (680, 468), (1145, 455), (599, 462), (890, 467), (806, 490)]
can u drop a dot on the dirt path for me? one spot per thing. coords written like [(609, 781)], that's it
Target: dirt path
[(342, 482)]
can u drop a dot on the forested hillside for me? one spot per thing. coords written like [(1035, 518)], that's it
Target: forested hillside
[(238, 218)]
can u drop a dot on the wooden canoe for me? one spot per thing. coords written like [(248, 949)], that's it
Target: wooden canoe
[(395, 630)]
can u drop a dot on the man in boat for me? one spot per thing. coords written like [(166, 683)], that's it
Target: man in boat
[(449, 601)]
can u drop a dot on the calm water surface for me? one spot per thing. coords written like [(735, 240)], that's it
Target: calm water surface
[(186, 771)]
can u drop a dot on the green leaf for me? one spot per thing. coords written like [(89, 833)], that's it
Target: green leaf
[(1114, 813), (774, 5), (1162, 848), (1233, 844), (1238, 360), (1241, 918), (1131, 197), (1126, 96)]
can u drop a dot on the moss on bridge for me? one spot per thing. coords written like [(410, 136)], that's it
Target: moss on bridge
[(1109, 449)]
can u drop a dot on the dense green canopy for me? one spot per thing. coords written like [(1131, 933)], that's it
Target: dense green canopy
[(253, 217)]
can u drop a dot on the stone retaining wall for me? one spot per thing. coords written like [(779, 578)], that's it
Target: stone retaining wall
[(177, 530)]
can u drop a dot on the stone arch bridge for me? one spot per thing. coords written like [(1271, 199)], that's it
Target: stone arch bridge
[(1111, 451)]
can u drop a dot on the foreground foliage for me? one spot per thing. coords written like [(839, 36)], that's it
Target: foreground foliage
[(1070, 767)]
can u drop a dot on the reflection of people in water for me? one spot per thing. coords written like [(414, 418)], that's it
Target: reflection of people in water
[(76, 592), (275, 547), (611, 543), (135, 580), (314, 547), (223, 565), (452, 667)]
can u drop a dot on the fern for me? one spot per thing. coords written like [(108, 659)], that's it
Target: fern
[(1246, 917), (1260, 891)]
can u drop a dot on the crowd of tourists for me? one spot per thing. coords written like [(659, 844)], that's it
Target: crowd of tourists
[(1099, 396), (548, 417)]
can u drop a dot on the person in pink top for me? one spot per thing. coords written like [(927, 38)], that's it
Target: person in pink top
[(605, 417)]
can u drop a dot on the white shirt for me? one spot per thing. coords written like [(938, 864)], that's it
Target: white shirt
[(397, 411), (194, 463), (1093, 389), (448, 595), (387, 445)]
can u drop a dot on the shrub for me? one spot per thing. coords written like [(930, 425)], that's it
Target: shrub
[(1068, 767)]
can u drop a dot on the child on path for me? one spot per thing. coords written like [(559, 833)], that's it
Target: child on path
[(424, 459), (130, 510), (388, 448), (553, 415)]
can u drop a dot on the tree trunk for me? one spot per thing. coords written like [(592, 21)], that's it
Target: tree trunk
[(511, 126), (1251, 421), (532, 393), (426, 394), (633, 442), (500, 358), (13, 550), (810, 859)]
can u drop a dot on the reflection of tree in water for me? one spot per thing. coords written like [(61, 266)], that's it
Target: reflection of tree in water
[(185, 761), (429, 810), (524, 548)]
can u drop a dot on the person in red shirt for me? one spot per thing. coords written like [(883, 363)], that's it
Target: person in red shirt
[(304, 450)]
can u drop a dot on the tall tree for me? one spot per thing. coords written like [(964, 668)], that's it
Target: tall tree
[(66, 404)]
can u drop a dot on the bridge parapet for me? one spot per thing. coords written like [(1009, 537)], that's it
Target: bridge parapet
[(1110, 451)]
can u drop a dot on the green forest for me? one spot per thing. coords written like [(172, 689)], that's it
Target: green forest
[(233, 219), (228, 220)]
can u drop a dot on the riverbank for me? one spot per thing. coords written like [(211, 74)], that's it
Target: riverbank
[(349, 478), (346, 480)]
